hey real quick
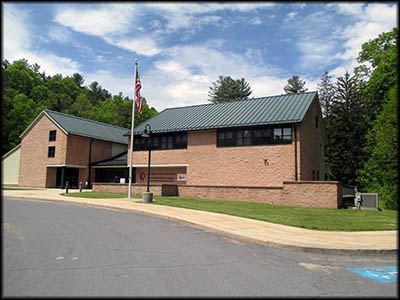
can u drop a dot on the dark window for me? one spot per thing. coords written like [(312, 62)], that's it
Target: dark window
[(52, 135), (162, 142), (51, 152), (256, 136), (238, 138), (316, 121), (113, 174), (267, 136), (229, 138), (313, 175), (247, 141), (170, 143), (287, 135), (277, 135), (317, 178)]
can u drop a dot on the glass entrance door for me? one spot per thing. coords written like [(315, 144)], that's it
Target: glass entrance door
[(65, 174)]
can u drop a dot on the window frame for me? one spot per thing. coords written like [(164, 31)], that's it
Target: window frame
[(52, 135), (169, 141), (255, 136), (51, 152)]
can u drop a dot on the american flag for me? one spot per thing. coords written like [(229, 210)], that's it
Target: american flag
[(137, 89)]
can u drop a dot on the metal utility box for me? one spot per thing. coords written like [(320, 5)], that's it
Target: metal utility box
[(368, 201)]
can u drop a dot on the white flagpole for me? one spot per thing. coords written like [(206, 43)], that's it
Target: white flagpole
[(133, 123)]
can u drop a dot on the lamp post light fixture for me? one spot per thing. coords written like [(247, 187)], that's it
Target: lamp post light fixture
[(147, 196)]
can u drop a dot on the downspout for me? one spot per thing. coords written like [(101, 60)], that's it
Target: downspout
[(89, 164), (295, 153)]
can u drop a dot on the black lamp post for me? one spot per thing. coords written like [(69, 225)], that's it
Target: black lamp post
[(147, 134)]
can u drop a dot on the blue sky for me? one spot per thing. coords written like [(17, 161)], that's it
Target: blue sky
[(182, 47)]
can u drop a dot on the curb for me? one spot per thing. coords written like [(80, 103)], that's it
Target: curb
[(330, 251)]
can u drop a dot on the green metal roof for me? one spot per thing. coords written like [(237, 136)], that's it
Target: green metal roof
[(89, 128), (281, 109)]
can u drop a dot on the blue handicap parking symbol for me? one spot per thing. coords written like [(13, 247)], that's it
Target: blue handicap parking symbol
[(379, 274)]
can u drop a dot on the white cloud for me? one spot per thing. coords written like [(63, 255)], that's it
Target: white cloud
[(184, 15), (15, 31), (111, 82), (185, 75), (371, 20), (255, 21), (141, 45), (290, 16), (101, 20), (59, 34), (19, 41), (354, 9)]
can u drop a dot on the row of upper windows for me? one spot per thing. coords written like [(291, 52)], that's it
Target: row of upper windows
[(161, 142), (225, 138), (252, 137)]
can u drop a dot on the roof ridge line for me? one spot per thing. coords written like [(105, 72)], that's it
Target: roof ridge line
[(84, 119), (227, 102)]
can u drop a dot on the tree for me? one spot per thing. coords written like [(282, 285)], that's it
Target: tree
[(325, 93), (226, 89), (26, 91), (381, 70), (346, 129), (82, 106), (78, 79), (23, 112), (380, 173), (295, 85)]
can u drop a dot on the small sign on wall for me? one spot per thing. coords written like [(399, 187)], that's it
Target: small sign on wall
[(181, 177), (122, 180)]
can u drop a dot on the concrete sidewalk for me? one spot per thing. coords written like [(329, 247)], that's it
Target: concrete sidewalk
[(273, 235)]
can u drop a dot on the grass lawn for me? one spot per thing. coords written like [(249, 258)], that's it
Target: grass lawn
[(310, 218)]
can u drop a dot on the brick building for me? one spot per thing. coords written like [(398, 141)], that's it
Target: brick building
[(256, 142), (268, 149), (56, 148)]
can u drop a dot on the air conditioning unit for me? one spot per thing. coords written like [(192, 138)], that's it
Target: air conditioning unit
[(368, 201)]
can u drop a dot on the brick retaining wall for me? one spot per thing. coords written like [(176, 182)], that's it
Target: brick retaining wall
[(321, 194)]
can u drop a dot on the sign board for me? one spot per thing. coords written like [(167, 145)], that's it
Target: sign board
[(181, 177), (122, 180)]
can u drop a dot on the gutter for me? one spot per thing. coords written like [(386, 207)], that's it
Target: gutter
[(89, 163), (295, 153)]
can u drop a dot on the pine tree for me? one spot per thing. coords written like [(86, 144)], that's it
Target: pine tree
[(325, 93), (346, 129), (226, 89), (295, 85)]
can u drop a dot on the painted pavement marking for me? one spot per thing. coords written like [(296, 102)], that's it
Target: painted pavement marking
[(379, 274)]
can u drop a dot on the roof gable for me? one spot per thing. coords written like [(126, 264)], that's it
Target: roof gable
[(281, 109), (83, 127), (88, 128)]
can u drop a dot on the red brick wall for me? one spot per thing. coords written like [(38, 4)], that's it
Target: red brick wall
[(231, 166), (123, 188), (69, 149), (325, 194), (271, 195), (34, 149), (310, 139), (78, 150), (321, 194)]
